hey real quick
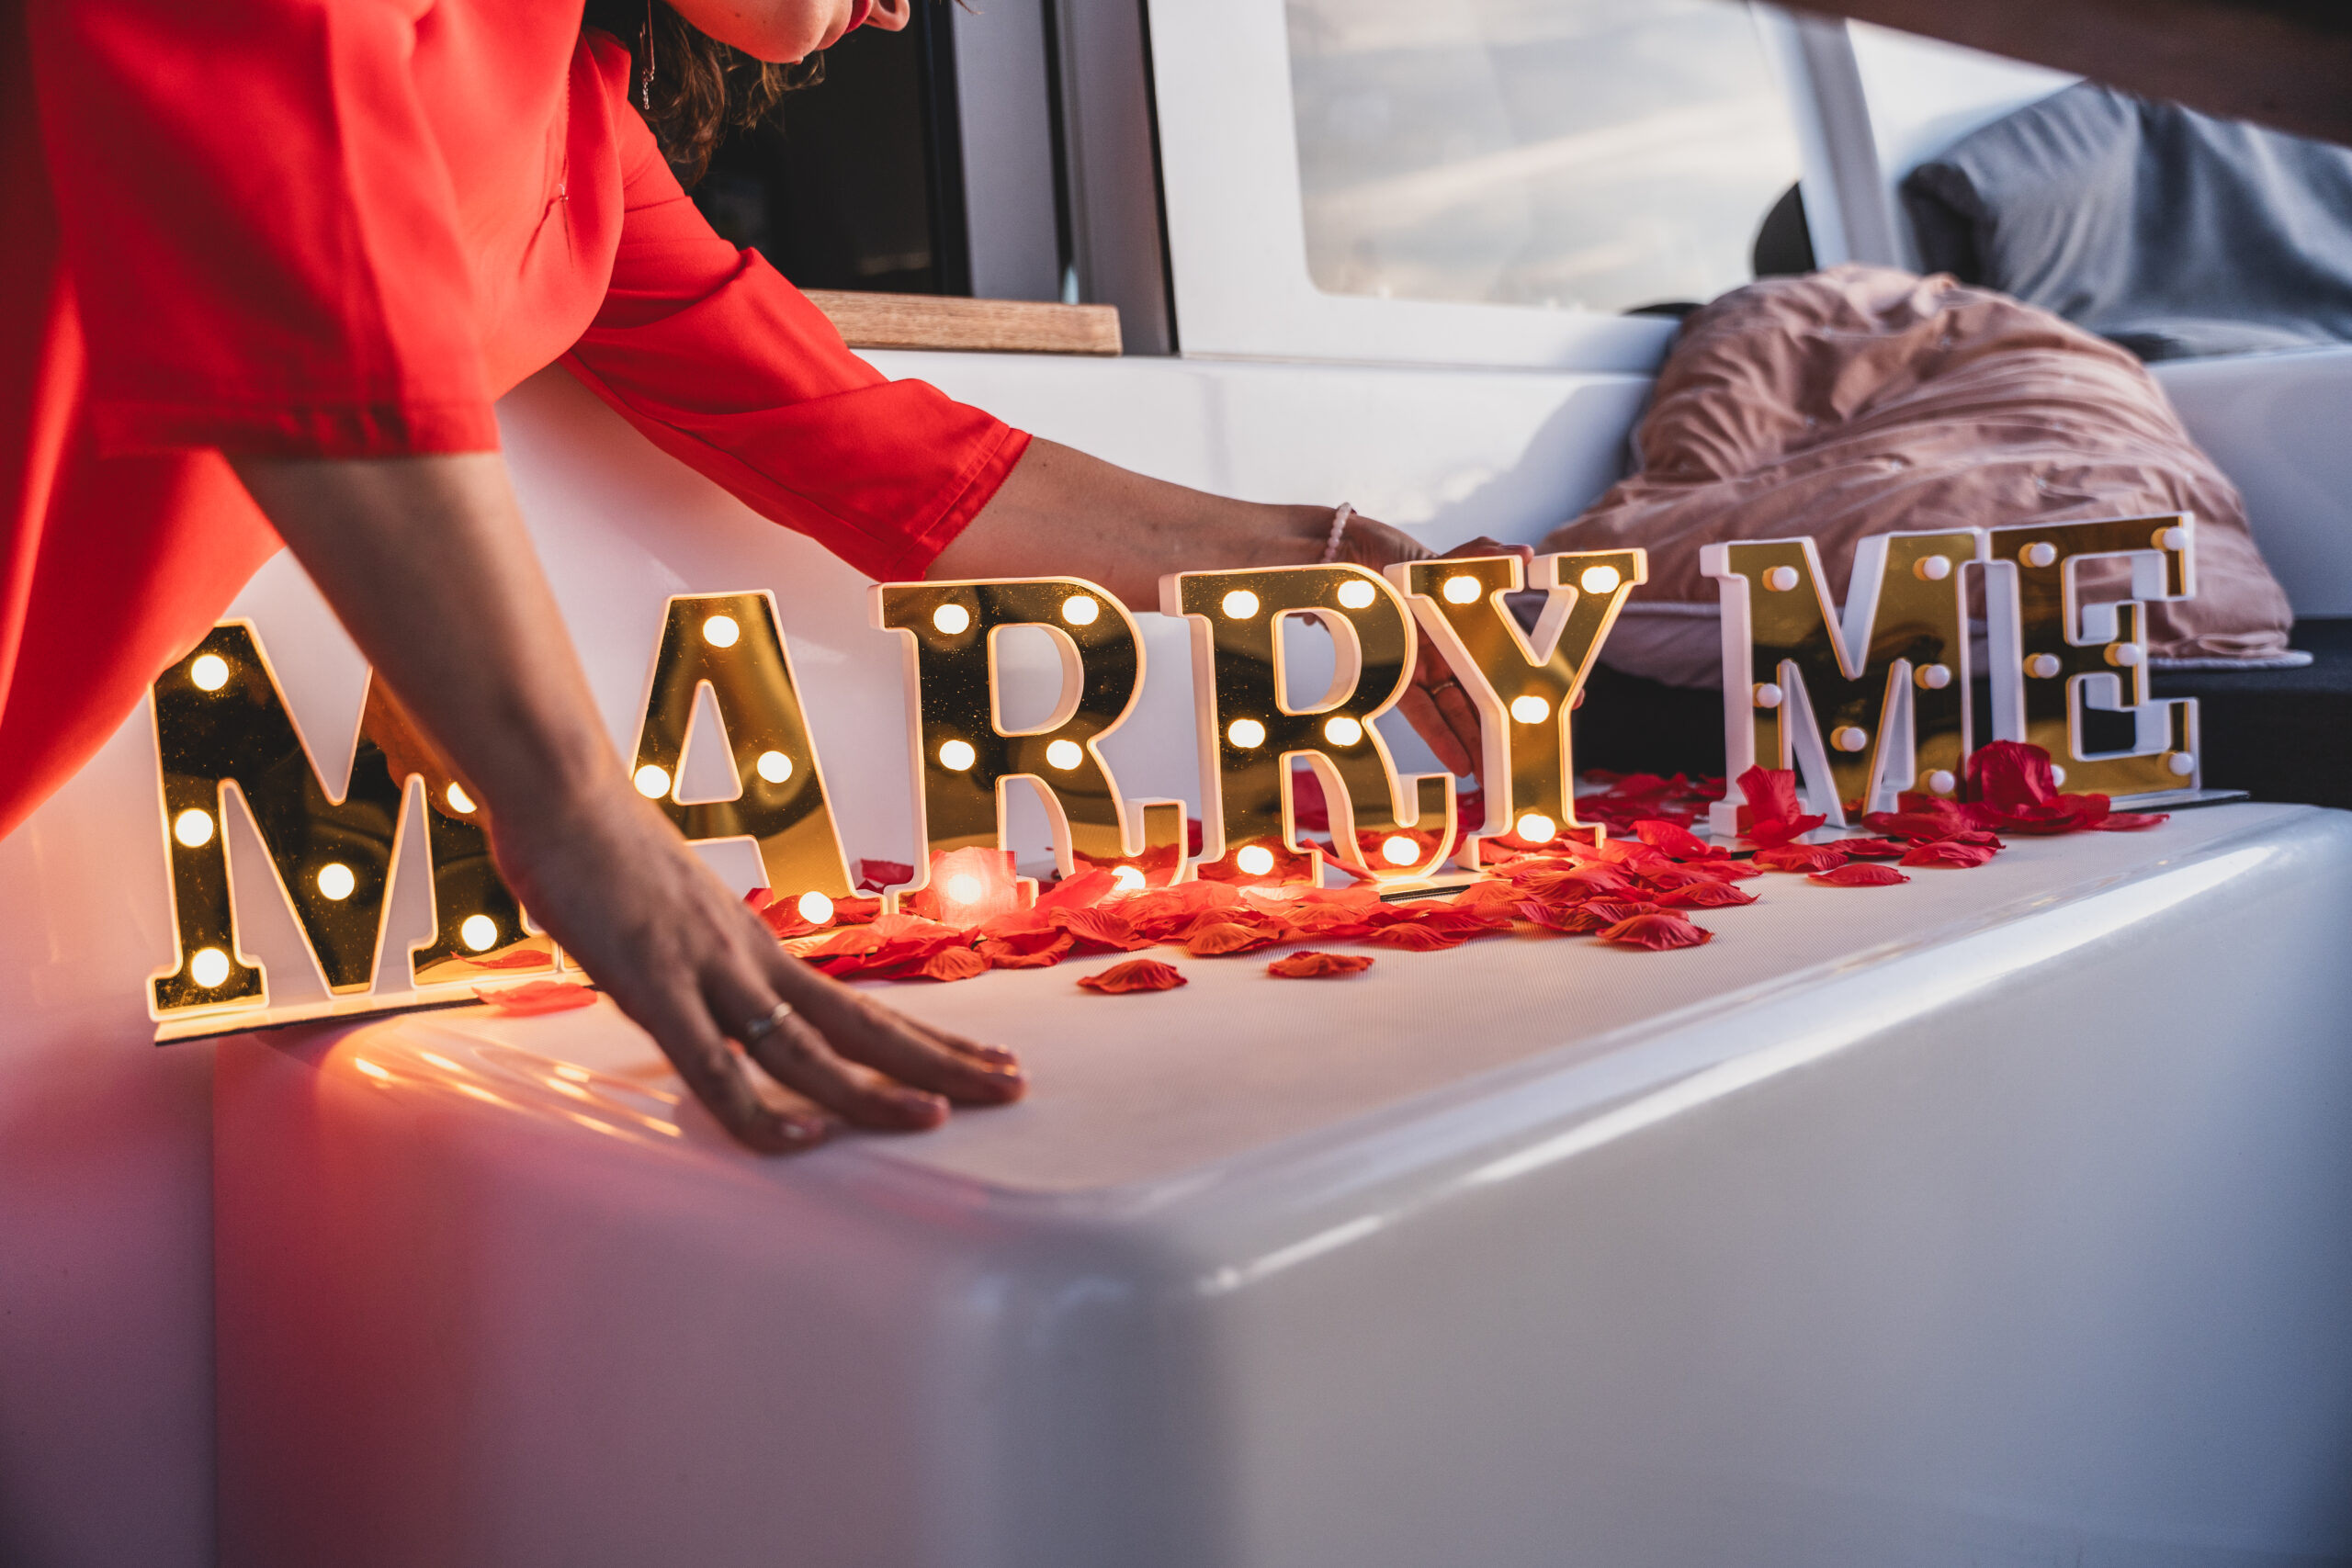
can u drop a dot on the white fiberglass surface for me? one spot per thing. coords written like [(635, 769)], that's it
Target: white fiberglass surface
[(1569, 154)]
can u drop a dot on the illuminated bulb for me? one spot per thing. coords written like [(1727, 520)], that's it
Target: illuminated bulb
[(958, 755), (1080, 609), (652, 781), (2041, 666), (2173, 540), (208, 968), (336, 882), (2127, 655), (1246, 733), (1535, 828), (210, 672), (774, 766), (2040, 554), (1941, 781), (1064, 754), (815, 908), (1933, 569), (1240, 604), (1934, 677), (2182, 763), (1355, 594), (1599, 579), (952, 618), (1126, 879), (1530, 709), (1398, 850), (1769, 695), (1462, 589), (459, 800), (193, 828), (964, 888), (1846, 737), (1780, 578), (720, 631), (1255, 859), (479, 932), (1342, 731)]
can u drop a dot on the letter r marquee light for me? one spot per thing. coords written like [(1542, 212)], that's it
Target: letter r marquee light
[(1864, 704)]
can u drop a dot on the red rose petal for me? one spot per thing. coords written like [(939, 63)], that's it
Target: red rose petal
[(2131, 821), (1029, 950), (955, 963), (1099, 930), (1859, 875), (1801, 857), (1949, 852), (1134, 974), (1079, 892), (1568, 919), (1319, 965), (1415, 938), (535, 997), (1657, 932), (1222, 937), (1872, 849), (1704, 895)]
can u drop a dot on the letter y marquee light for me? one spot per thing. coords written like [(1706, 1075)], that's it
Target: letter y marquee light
[(965, 759), (1249, 732), (1524, 687)]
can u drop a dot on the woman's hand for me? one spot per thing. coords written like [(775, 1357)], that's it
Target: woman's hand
[(427, 564), (1437, 708)]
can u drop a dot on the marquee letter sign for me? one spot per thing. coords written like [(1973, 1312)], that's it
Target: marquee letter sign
[(1251, 730), (1524, 687), (965, 758)]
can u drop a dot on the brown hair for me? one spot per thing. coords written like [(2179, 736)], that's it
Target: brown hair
[(700, 88)]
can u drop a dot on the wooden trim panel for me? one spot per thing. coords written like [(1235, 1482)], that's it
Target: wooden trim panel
[(994, 326)]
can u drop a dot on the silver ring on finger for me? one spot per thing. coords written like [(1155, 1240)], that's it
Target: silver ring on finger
[(767, 1023)]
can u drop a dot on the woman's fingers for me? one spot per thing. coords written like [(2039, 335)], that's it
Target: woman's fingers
[(796, 1054), (682, 1025), (866, 1032), (1429, 722)]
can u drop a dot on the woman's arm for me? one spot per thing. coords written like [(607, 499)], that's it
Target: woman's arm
[(426, 561)]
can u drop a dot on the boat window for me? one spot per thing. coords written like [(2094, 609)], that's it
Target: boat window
[(1564, 153)]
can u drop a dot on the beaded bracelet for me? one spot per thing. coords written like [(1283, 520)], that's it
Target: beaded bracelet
[(1338, 528)]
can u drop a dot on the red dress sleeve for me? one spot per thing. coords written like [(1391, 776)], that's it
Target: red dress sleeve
[(724, 365), (260, 228)]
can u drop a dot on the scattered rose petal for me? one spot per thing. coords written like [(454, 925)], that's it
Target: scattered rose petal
[(1949, 852), (1704, 895), (1415, 938), (955, 963), (1801, 857), (535, 997), (874, 875), (1859, 875), (1079, 892), (1099, 930), (1568, 919), (1771, 815), (1673, 839), (1222, 937), (1134, 974), (1028, 950), (2130, 821), (1319, 965), (1657, 932), (1872, 849)]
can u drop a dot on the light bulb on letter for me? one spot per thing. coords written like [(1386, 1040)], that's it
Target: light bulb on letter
[(1126, 879), (1080, 609), (1064, 754), (208, 968), (336, 882), (1599, 579), (210, 672), (1343, 731), (1530, 709), (958, 755), (1355, 594), (459, 800), (815, 908), (951, 618), (964, 888), (1246, 733), (1240, 604), (652, 781), (1460, 590), (1254, 860), (479, 932), (1398, 850), (1536, 828), (720, 631), (193, 828), (774, 766)]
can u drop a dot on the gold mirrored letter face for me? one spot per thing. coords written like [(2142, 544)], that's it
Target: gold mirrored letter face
[(1524, 686), (965, 757), (2071, 676), (1868, 703), (732, 644), (1251, 730)]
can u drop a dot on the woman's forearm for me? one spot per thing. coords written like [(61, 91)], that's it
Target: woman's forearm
[(1063, 513)]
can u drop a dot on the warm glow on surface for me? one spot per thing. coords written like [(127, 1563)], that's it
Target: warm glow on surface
[(774, 766), (208, 968), (193, 828), (1080, 609), (1536, 828), (1342, 731), (652, 781), (459, 800), (1255, 859), (958, 755), (336, 881), (447, 1066), (1462, 589), (952, 619), (1398, 850), (1780, 578), (210, 672), (1530, 709), (370, 1069), (1246, 733), (1064, 754), (1240, 604), (1126, 879), (720, 631), (566, 1070), (480, 932), (964, 888), (1599, 579), (1355, 594), (815, 908)]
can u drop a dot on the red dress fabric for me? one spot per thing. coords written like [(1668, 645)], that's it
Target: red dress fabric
[(342, 229)]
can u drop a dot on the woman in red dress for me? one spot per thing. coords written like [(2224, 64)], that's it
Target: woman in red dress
[(267, 267)]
